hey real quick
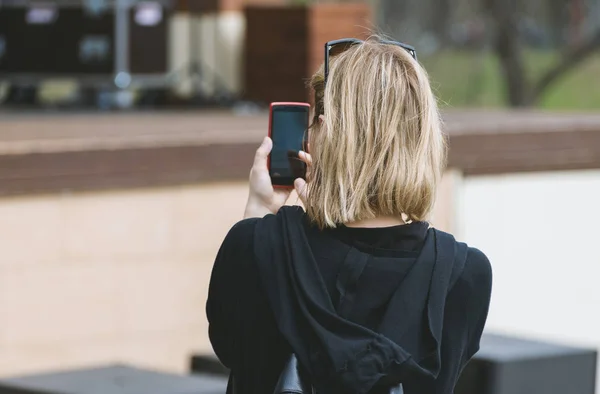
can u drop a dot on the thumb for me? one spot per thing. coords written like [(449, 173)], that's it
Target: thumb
[(302, 189), (260, 159)]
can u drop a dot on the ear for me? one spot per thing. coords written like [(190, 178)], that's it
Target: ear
[(322, 118)]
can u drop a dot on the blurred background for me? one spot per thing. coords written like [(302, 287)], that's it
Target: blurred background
[(127, 129)]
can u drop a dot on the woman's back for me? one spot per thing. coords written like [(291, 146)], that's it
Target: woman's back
[(254, 329), (390, 253)]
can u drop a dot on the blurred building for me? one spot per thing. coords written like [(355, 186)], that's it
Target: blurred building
[(109, 226)]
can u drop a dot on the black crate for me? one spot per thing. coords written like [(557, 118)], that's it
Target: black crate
[(117, 379), (506, 365)]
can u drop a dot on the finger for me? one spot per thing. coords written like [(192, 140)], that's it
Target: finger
[(305, 157), (260, 159), (301, 189)]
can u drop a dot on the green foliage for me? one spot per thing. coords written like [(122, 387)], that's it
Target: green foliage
[(470, 79)]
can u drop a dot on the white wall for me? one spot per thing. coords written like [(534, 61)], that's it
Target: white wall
[(541, 234)]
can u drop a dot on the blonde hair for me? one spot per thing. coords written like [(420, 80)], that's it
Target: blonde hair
[(380, 150)]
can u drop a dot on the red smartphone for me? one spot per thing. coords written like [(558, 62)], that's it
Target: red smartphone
[(288, 129)]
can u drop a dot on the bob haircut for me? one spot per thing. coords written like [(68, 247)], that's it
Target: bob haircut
[(379, 151)]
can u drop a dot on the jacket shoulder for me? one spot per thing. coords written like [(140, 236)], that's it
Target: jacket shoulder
[(469, 263), (478, 268)]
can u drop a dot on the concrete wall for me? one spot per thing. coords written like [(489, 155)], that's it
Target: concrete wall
[(540, 232), (113, 276), (89, 278), (122, 275)]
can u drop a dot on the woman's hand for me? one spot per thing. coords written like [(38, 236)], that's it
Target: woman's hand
[(300, 184), (263, 198)]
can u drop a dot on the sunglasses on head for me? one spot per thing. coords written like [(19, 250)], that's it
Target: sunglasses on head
[(334, 48)]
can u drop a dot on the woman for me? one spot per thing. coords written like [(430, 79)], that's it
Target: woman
[(358, 287)]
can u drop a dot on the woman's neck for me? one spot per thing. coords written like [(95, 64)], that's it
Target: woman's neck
[(382, 221)]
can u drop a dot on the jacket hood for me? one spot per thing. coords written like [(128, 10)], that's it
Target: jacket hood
[(333, 350)]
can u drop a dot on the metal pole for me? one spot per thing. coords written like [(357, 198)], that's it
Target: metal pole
[(123, 77)]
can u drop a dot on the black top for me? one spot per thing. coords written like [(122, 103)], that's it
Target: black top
[(362, 308)]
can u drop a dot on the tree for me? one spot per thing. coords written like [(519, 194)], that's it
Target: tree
[(556, 17), (440, 20), (520, 91)]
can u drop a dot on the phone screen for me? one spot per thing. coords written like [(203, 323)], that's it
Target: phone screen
[(289, 126)]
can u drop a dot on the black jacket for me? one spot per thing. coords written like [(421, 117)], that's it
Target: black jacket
[(361, 308)]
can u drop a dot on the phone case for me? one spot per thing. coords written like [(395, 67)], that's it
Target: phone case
[(276, 104)]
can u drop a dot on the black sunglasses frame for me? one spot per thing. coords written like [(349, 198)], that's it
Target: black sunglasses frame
[(351, 41)]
